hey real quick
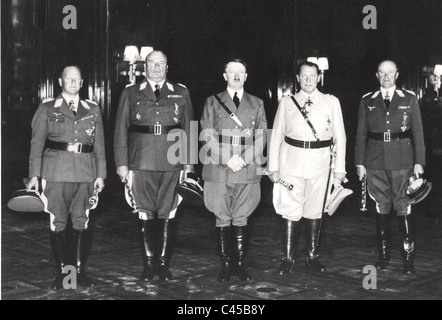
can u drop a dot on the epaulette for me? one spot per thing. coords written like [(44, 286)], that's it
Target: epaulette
[(411, 92), (180, 84), (47, 100), (400, 93), (129, 85), (93, 102), (366, 94), (375, 94)]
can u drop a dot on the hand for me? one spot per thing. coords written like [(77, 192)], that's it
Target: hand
[(99, 184), (274, 176), (32, 183), (122, 172), (418, 170), (339, 178), (236, 163), (187, 169), (361, 171)]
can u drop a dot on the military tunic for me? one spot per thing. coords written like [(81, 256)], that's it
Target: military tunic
[(232, 196), (150, 153), (389, 164), (307, 169), (67, 177)]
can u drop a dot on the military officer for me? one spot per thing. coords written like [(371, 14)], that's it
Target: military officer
[(389, 149), (67, 153), (150, 116), (234, 132), (300, 154)]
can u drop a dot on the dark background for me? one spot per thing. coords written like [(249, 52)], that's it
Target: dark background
[(198, 36)]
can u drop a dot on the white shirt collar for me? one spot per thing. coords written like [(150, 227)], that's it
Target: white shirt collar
[(67, 99), (239, 92), (390, 92), (311, 95), (153, 83)]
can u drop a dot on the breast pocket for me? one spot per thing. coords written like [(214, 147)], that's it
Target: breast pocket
[(56, 125)]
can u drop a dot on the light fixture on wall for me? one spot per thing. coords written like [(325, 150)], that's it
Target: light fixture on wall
[(133, 63), (322, 63)]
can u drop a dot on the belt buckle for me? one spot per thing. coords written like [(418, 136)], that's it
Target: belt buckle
[(306, 144), (157, 129), (235, 141), (387, 136), (75, 147)]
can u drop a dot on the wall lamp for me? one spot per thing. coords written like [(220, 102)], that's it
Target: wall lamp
[(322, 63), (134, 62)]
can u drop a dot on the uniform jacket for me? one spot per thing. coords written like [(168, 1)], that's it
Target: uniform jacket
[(326, 117), (215, 154), (402, 115), (143, 151), (54, 120)]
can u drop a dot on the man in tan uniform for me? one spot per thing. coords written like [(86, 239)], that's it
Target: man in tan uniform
[(231, 156)]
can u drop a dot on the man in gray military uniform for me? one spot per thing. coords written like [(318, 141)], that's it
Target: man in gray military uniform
[(67, 152), (148, 114), (389, 149)]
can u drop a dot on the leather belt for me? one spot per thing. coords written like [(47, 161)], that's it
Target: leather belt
[(236, 140), (388, 136), (308, 144), (71, 147), (157, 129)]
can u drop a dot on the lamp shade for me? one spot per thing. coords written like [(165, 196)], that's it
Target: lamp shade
[(131, 54), (323, 63), (438, 69), (312, 59), (145, 50)]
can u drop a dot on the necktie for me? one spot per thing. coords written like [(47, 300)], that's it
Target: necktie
[(72, 107), (157, 90), (236, 99), (387, 100)]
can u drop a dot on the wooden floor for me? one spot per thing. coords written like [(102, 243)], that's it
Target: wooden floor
[(347, 246)]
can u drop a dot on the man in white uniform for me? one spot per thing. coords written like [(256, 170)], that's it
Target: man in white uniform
[(300, 154)]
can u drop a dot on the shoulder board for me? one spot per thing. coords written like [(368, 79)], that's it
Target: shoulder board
[(182, 85), (400, 93), (330, 95), (85, 105), (47, 100), (367, 94), (410, 92), (129, 85), (93, 102), (375, 94)]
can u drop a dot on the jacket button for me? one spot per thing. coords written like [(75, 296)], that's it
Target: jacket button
[(388, 121), (158, 112), (388, 113), (76, 131)]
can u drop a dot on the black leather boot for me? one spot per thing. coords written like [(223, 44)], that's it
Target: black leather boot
[(312, 232), (240, 237), (407, 227), (164, 249), (59, 249), (290, 243), (383, 240), (225, 246), (147, 239), (81, 250)]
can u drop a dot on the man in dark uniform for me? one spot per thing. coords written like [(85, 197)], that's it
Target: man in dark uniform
[(231, 157), (151, 114), (389, 149), (67, 152)]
